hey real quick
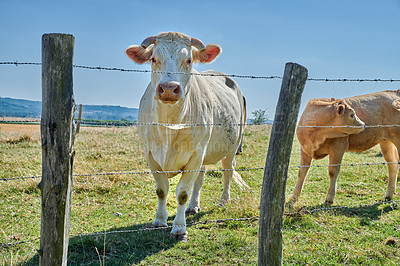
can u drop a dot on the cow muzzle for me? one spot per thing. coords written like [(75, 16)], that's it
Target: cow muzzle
[(169, 92), (359, 123)]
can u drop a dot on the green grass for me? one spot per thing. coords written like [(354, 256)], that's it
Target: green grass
[(363, 234)]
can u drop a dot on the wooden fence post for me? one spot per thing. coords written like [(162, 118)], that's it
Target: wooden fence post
[(57, 132), (78, 125), (276, 167)]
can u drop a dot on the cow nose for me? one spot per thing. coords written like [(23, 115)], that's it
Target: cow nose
[(169, 91), (360, 124)]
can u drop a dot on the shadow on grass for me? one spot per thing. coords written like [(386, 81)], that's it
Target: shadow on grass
[(120, 248), (366, 213)]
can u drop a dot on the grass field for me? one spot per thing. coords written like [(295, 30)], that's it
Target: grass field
[(365, 233)]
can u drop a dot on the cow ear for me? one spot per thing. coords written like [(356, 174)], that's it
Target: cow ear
[(208, 54), (396, 105), (139, 54), (340, 109)]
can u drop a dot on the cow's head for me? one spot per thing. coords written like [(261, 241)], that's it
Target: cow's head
[(172, 56), (346, 116)]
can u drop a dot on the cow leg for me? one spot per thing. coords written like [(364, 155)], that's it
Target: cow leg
[(194, 204), (228, 163), (305, 162), (183, 190), (391, 156), (335, 159), (162, 187)]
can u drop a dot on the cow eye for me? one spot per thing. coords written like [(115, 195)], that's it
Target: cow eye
[(352, 115), (153, 60), (189, 61)]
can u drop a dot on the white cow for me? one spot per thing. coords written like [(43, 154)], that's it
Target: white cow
[(199, 121)]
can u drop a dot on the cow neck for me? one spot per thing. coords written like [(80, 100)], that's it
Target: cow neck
[(169, 114)]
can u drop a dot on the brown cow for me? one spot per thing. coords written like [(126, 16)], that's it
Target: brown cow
[(381, 108)]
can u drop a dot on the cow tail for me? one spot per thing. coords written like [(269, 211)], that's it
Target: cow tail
[(240, 148), (244, 111), (238, 180)]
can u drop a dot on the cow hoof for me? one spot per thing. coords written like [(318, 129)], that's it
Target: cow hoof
[(222, 203), (190, 211), (290, 205), (388, 199), (291, 202), (328, 202), (158, 224), (180, 238)]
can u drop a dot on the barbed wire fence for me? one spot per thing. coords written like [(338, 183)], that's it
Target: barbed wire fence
[(393, 204), (301, 211), (16, 63), (206, 171)]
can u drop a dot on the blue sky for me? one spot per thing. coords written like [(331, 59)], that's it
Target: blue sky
[(333, 39)]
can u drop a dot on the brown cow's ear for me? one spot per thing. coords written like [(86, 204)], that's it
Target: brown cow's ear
[(207, 55), (139, 54), (396, 105), (340, 109)]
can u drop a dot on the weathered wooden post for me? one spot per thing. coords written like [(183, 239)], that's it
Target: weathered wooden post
[(57, 132), (276, 167), (78, 125)]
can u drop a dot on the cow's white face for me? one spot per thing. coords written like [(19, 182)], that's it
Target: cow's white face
[(172, 56), (171, 64)]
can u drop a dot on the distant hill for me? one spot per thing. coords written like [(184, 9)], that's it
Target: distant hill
[(20, 108), (24, 108), (109, 112)]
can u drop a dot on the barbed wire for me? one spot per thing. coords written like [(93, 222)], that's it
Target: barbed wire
[(300, 212), (365, 126), (177, 125), (183, 125), (147, 229), (207, 170), (128, 124), (18, 243), (263, 123), (143, 173), (346, 164), (16, 63), (20, 121), (353, 80), (22, 177), (177, 73)]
